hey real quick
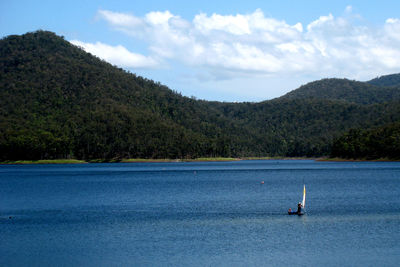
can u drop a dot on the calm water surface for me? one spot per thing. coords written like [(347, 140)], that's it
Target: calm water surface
[(200, 214)]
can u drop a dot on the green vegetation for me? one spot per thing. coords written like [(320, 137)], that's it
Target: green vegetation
[(371, 144), (346, 90), (178, 160), (387, 80), (275, 158), (57, 101), (74, 161), (215, 159), (147, 160), (53, 161)]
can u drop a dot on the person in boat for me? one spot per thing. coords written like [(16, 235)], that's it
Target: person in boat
[(299, 208)]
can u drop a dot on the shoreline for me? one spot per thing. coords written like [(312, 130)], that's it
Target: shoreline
[(141, 160), (217, 159), (43, 161), (357, 160)]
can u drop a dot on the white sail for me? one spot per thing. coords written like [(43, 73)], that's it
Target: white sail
[(303, 203)]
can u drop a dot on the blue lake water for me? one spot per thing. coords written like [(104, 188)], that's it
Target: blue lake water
[(200, 214)]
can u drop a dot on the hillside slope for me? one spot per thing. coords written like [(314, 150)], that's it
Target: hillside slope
[(57, 101), (306, 127), (346, 90), (386, 80)]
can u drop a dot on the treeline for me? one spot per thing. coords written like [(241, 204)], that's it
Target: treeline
[(377, 143), (386, 80), (57, 101), (350, 91), (307, 127)]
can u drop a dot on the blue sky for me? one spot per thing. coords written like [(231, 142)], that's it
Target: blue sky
[(225, 50)]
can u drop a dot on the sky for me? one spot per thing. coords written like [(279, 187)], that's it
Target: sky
[(233, 50)]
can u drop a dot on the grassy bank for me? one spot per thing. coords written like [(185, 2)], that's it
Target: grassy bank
[(214, 159), (141, 160), (180, 160), (277, 158), (148, 160), (45, 161), (138, 160)]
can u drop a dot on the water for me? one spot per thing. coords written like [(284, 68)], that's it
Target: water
[(200, 214)]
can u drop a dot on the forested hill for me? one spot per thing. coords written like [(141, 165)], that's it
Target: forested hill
[(57, 101), (350, 91), (387, 80)]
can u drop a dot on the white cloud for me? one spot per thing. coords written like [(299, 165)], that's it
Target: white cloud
[(392, 29), (120, 19), (253, 43), (117, 55), (348, 10), (237, 25), (320, 23)]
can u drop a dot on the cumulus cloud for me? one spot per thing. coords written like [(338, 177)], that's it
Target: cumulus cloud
[(255, 44), (117, 55)]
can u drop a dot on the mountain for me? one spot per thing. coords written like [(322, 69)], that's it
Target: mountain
[(306, 127), (57, 101), (386, 80), (349, 91)]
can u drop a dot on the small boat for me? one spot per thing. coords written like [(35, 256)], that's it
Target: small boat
[(302, 205), (295, 213)]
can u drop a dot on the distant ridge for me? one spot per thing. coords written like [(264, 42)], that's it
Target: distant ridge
[(386, 80), (347, 90), (58, 101)]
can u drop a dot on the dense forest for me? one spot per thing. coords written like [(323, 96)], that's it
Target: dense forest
[(346, 90), (57, 101), (377, 143), (387, 80)]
